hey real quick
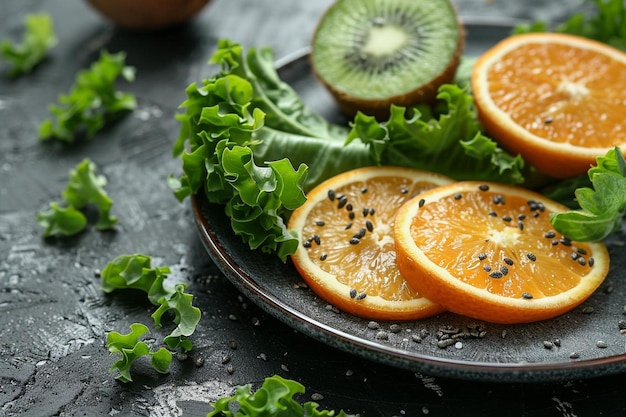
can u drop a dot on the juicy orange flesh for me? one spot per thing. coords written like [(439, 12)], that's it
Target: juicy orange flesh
[(369, 266), (473, 244), (562, 93)]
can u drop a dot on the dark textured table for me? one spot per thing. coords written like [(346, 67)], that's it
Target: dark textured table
[(54, 317)]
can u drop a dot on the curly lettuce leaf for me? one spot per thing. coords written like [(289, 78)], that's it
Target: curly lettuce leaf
[(445, 139), (38, 39), (607, 25), (91, 101), (135, 272), (275, 397), (186, 317), (130, 348), (602, 206), (85, 187), (57, 220)]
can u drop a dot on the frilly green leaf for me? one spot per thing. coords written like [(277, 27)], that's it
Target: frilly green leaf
[(275, 398), (130, 348)]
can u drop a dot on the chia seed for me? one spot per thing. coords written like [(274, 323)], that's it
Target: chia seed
[(382, 335), (373, 325)]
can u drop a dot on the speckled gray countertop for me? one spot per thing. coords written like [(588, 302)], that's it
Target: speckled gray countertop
[(54, 316)]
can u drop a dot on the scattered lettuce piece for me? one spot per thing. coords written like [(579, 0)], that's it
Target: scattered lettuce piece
[(273, 398), (135, 272), (58, 220), (602, 206), (244, 130), (130, 348), (38, 39), (91, 100), (84, 187), (608, 25)]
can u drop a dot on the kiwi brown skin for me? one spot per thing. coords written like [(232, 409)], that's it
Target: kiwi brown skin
[(380, 108)]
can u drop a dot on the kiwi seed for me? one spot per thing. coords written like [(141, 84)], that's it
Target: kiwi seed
[(374, 53)]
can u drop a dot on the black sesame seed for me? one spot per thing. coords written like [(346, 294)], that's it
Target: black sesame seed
[(504, 270), (591, 261), (363, 191), (348, 226), (351, 215), (349, 207), (353, 293), (331, 195), (582, 261), (487, 268), (458, 196), (482, 256), (372, 211), (317, 239), (581, 251), (506, 218), (521, 217), (531, 256), (508, 261), (421, 203), (499, 200), (496, 274), (574, 256), (361, 296), (520, 225), (360, 234), (555, 242), (323, 256), (404, 191), (527, 295), (320, 223), (550, 234), (306, 244), (355, 241), (342, 202), (365, 211), (483, 187), (547, 120), (369, 225), (565, 241), (493, 214)]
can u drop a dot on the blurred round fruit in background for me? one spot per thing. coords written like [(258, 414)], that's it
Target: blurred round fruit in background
[(148, 14)]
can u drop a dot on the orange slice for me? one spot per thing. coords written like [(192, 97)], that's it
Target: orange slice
[(489, 251), (347, 254), (558, 100)]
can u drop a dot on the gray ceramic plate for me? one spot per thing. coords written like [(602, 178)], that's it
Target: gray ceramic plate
[(586, 342)]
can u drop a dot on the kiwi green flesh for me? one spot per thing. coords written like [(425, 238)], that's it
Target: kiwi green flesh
[(373, 50)]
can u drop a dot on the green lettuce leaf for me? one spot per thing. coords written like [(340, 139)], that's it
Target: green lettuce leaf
[(135, 272), (607, 25), (38, 39), (602, 206), (58, 220), (445, 139), (275, 398), (85, 187), (91, 101), (243, 132), (130, 348)]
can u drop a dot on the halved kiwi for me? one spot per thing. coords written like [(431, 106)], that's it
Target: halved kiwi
[(374, 53)]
